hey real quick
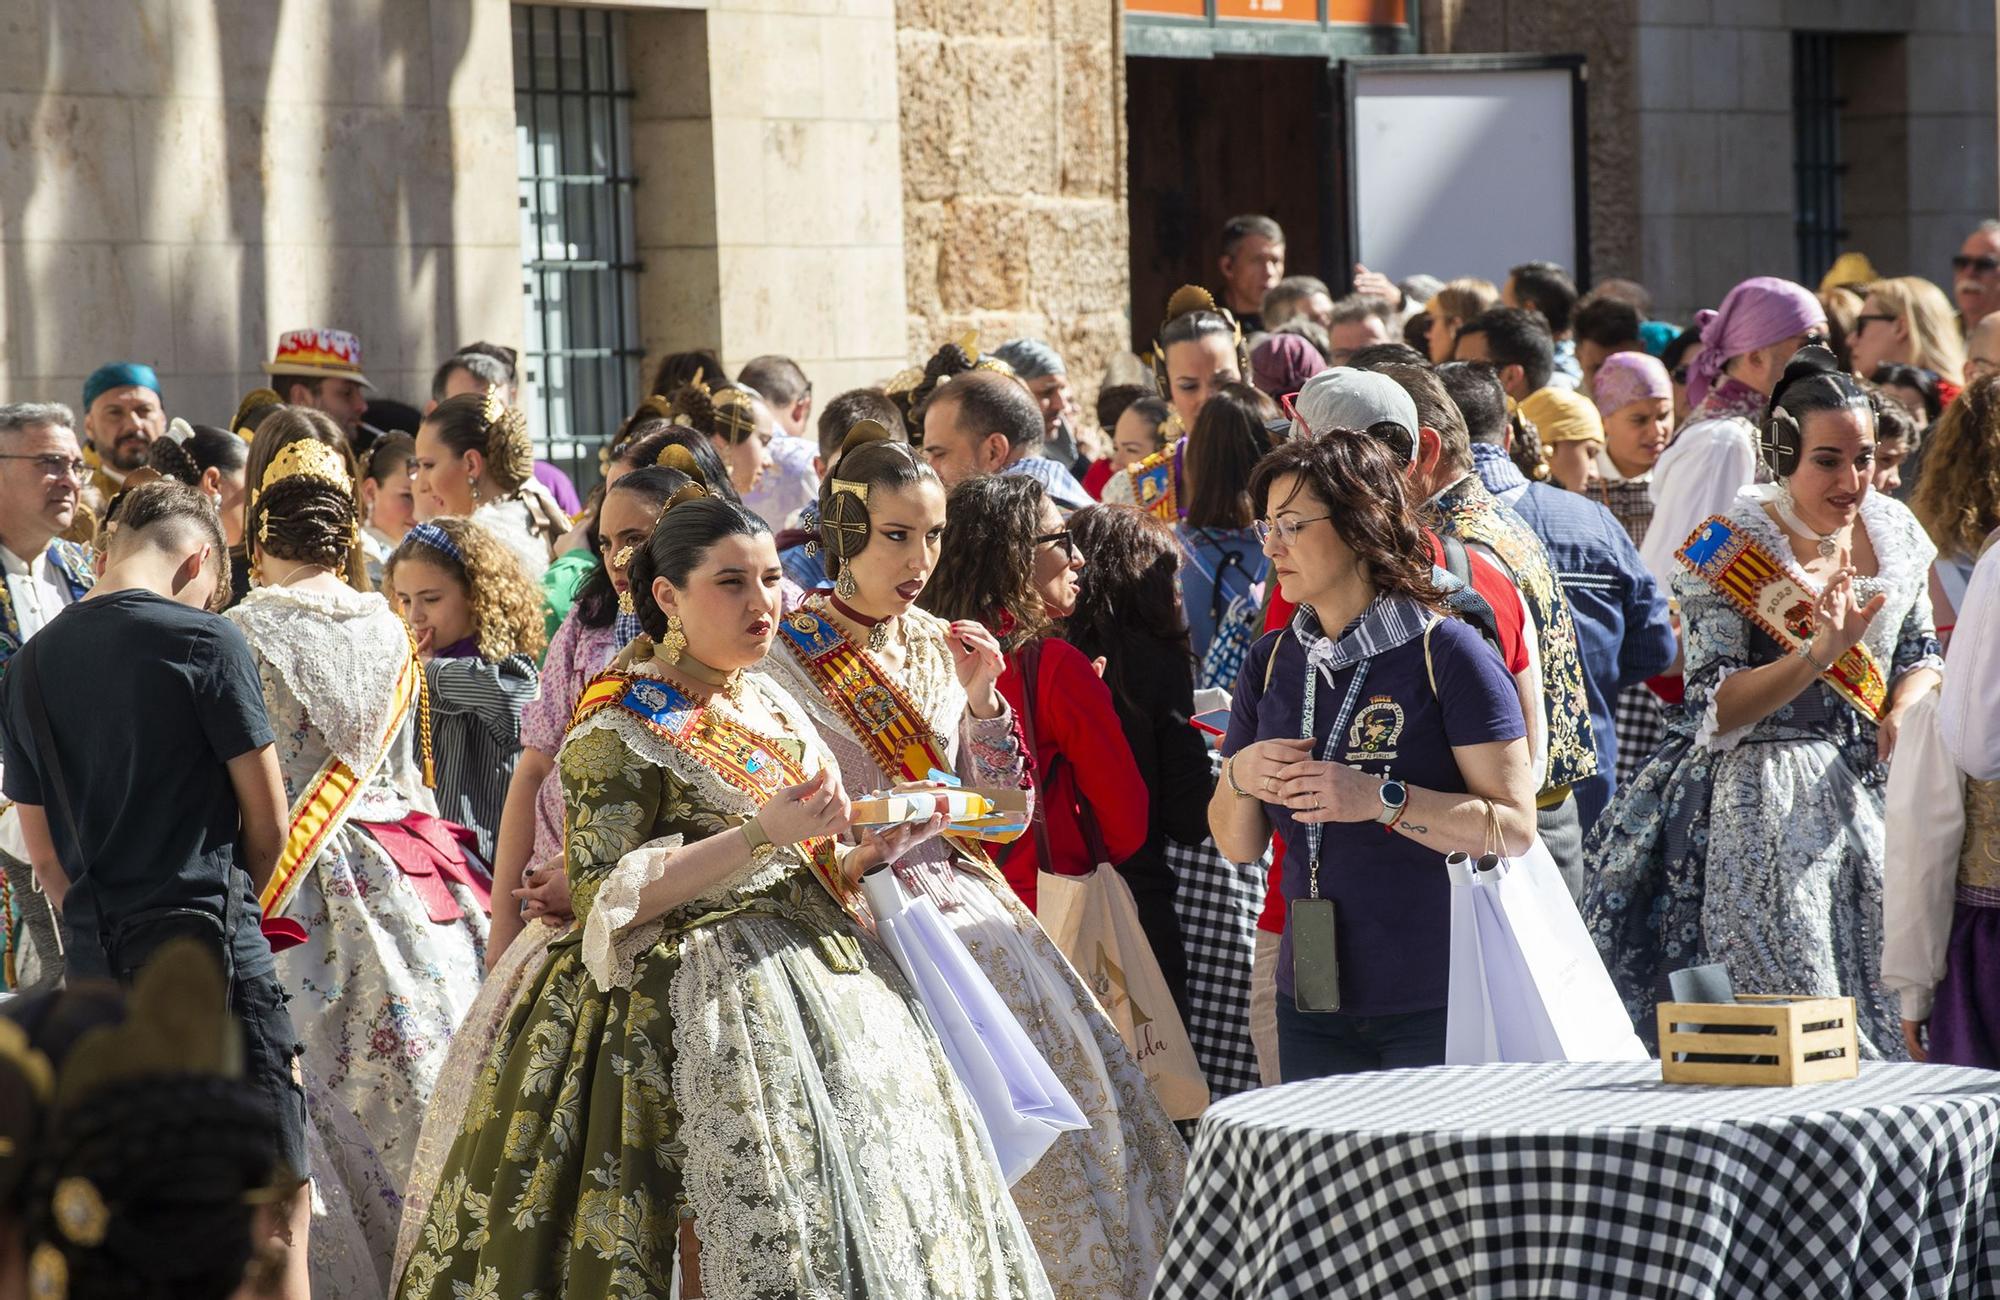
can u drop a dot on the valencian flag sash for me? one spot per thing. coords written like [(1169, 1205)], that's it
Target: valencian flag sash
[(1156, 483), (1767, 593), (883, 718), (322, 807), (753, 764)]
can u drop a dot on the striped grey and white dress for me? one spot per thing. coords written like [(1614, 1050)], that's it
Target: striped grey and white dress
[(476, 736)]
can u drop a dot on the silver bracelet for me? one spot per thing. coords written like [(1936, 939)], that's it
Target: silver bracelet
[(1805, 653)]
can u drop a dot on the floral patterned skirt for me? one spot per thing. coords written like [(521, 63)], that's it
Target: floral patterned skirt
[(795, 1107), (511, 979), (377, 989), (1100, 1201), (1766, 857)]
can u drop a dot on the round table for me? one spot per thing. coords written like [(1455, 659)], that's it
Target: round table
[(1580, 1179)]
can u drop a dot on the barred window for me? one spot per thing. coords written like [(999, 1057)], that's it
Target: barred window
[(579, 264)]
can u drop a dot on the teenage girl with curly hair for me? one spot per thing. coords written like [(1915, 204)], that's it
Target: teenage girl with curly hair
[(478, 625), (1958, 490)]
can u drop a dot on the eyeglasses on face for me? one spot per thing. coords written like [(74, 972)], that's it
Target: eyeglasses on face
[(1982, 265), (1061, 537), (1286, 530), (54, 466), (1861, 321)]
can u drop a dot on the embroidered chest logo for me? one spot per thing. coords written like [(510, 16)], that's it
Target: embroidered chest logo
[(1376, 728)]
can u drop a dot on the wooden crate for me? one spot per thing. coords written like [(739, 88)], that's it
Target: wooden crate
[(1791, 1031)]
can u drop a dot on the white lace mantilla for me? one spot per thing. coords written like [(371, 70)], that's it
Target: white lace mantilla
[(340, 650), (1903, 557)]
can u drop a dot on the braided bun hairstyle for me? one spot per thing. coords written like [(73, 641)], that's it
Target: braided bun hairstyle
[(177, 1162), (1813, 381), (487, 425), (870, 457), (306, 520), (691, 522), (283, 426)]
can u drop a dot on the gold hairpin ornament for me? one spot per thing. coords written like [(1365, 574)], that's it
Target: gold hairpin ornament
[(48, 1273), (859, 491), (493, 410), (307, 458), (80, 1211)]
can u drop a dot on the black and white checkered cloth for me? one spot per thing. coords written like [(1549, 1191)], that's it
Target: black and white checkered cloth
[(1593, 1180), (1218, 902), (1640, 720)]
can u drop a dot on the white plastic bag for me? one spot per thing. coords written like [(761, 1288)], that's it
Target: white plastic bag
[(1526, 981), (1022, 1104)]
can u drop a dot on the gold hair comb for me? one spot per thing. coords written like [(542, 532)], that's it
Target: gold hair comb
[(675, 456), (307, 458)]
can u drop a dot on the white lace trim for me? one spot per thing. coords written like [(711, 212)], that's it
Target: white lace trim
[(1903, 557), (611, 943), (1711, 736), (339, 654)]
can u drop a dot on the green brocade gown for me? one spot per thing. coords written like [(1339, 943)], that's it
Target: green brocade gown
[(750, 1061)]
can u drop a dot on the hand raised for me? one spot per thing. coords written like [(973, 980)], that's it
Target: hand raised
[(813, 808), (1841, 617)]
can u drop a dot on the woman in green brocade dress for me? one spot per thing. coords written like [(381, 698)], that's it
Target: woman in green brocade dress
[(715, 1071)]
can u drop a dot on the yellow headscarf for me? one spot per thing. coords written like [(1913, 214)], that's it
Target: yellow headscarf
[(1560, 415)]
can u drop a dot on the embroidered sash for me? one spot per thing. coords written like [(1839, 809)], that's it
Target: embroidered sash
[(1156, 483), (1764, 591), (744, 760), (881, 716), (322, 806)]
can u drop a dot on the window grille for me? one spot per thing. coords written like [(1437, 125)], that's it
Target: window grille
[(1817, 165)]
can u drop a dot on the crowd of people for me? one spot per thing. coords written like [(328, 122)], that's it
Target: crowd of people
[(515, 828)]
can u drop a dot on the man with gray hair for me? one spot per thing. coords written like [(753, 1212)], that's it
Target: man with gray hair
[(41, 477), (1041, 368), (1975, 275)]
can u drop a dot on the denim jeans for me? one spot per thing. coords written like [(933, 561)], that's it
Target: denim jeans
[(1313, 1044)]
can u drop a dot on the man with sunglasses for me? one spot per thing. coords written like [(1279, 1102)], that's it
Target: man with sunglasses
[(1975, 276)]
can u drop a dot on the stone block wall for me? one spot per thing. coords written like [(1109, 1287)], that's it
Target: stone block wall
[(182, 180), (772, 211), (1013, 176)]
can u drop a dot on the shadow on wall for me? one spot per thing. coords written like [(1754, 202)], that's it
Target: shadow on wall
[(179, 186)]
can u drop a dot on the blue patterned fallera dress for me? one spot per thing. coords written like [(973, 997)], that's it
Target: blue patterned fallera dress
[(1761, 848)]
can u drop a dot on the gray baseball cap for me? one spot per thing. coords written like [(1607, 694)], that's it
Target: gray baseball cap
[(1346, 398)]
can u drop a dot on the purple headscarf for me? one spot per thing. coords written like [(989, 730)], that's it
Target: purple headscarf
[(1281, 363), (1757, 313), (1628, 377)]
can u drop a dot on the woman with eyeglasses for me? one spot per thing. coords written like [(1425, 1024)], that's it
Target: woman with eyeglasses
[(1007, 561), (1745, 344), (1376, 736), (1907, 320)]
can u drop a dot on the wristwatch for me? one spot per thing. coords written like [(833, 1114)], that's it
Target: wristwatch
[(1394, 795), (753, 834)]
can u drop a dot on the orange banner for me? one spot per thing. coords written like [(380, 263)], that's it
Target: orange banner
[(1175, 8), (1375, 13), (1289, 11)]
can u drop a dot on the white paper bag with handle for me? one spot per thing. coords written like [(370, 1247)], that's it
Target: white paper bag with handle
[(1021, 1103), (1526, 982)]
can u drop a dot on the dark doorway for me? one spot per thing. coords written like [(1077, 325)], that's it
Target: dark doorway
[(1211, 138)]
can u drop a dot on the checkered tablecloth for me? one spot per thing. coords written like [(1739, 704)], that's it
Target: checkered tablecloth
[(1593, 1180), (1218, 903)]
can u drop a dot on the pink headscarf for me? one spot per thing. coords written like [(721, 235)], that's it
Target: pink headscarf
[(1628, 377), (1757, 313), (1281, 363)]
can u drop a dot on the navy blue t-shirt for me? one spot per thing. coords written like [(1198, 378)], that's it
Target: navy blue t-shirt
[(1392, 900), (148, 700)]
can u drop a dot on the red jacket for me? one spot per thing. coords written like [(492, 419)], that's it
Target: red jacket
[(1500, 593), (1074, 717)]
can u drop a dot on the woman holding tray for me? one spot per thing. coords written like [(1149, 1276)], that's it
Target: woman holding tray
[(897, 692), (1754, 835)]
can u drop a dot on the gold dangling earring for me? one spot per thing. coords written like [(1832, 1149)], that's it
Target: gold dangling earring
[(674, 643), (846, 588), (625, 605)]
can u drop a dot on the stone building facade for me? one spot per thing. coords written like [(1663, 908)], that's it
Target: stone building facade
[(850, 182)]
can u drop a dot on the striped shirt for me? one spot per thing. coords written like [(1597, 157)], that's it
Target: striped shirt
[(476, 736)]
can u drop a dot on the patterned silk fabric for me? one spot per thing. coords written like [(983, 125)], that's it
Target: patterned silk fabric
[(1466, 510), (1979, 860), (725, 1071)]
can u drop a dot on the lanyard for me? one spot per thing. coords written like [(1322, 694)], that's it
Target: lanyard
[(1347, 703)]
